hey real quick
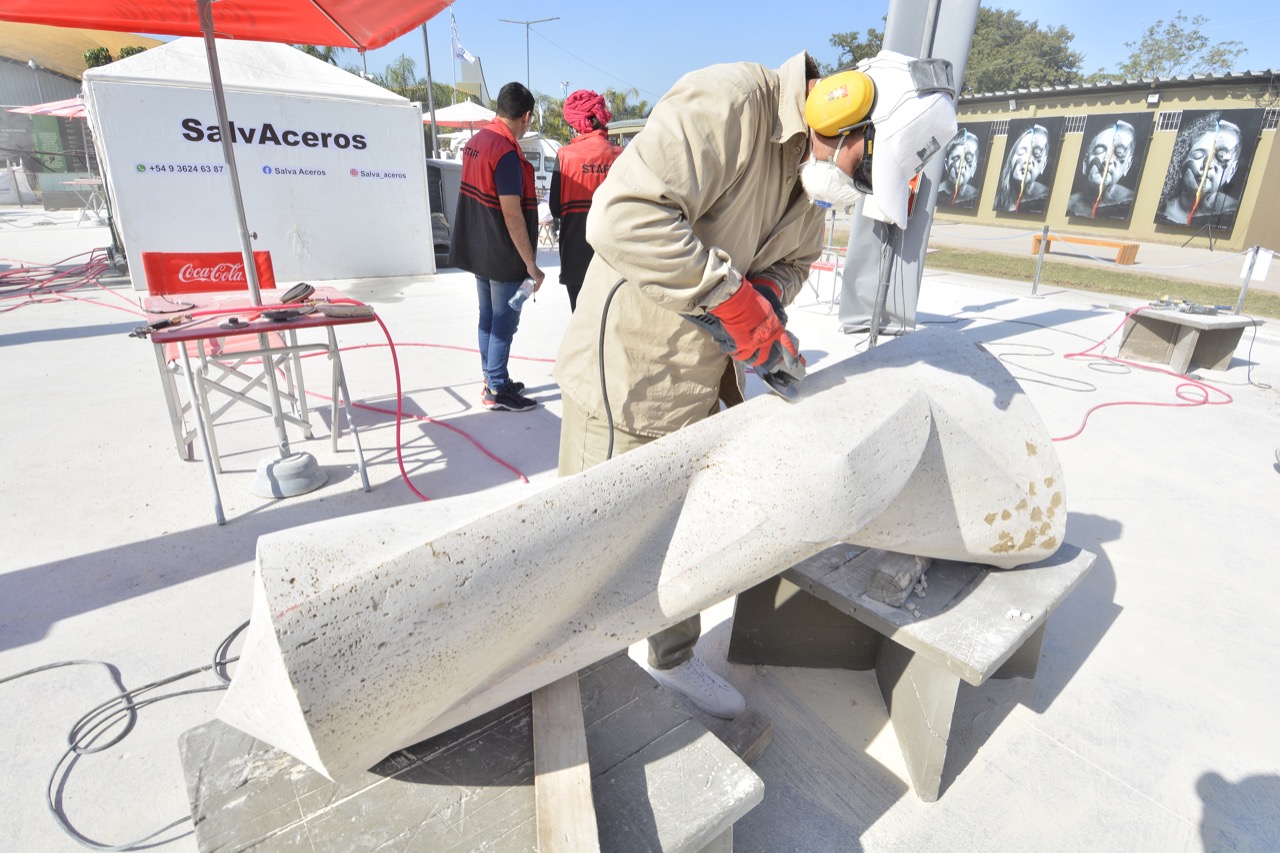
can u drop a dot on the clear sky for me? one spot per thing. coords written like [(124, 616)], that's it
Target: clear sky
[(648, 45)]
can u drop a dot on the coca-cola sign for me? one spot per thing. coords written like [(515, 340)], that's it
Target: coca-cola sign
[(196, 272), (215, 274)]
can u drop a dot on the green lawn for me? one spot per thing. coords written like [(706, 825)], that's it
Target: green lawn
[(1076, 277)]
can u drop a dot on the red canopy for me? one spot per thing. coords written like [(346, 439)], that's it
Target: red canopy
[(361, 24)]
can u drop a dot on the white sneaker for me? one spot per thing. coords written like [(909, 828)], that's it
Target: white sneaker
[(702, 687)]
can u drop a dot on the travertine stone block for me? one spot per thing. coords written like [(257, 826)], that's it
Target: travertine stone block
[(373, 632)]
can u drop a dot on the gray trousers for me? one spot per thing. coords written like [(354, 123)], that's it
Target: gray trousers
[(584, 441)]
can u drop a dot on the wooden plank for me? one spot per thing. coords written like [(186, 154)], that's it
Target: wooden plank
[(1126, 253), (562, 773)]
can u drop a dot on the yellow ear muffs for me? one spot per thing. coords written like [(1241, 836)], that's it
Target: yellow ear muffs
[(840, 103)]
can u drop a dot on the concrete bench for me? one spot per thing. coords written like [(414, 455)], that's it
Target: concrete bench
[(1126, 252), (659, 781), (974, 623), (1182, 340)]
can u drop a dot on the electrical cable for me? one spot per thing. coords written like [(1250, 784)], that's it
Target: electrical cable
[(87, 734), (1248, 375), (604, 390), (42, 283), (1045, 352), (1193, 393), (400, 413)]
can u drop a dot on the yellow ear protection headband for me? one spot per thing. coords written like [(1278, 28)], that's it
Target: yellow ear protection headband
[(840, 104)]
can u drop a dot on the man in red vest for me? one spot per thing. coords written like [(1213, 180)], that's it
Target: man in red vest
[(583, 165), (494, 235)]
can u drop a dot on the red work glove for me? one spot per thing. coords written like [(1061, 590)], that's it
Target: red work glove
[(750, 326), (772, 292)]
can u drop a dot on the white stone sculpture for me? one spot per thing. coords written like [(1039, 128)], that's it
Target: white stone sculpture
[(373, 632)]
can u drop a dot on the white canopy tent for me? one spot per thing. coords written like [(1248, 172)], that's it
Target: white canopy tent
[(332, 167), (466, 114)]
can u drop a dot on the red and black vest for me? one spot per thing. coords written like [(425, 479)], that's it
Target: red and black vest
[(480, 242), (584, 164)]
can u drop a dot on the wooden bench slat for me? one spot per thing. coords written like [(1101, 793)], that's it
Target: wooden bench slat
[(1126, 251), (566, 814)]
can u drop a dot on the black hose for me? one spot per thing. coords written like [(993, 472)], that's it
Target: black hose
[(604, 390)]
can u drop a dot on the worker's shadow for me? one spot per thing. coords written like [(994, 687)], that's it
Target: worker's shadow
[(822, 788), (1071, 635), (1244, 815)]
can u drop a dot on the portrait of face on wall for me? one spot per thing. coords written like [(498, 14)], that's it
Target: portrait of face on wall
[(1030, 159), (1209, 167), (964, 163), (1111, 158)]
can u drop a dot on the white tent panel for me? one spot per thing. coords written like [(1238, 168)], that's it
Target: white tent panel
[(332, 167)]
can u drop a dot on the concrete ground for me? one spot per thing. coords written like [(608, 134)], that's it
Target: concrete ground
[(1149, 727)]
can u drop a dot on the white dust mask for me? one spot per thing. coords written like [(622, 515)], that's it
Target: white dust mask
[(827, 185)]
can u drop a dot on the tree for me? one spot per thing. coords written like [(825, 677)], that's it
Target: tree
[(1178, 48), (853, 48), (401, 76), (552, 125), (324, 53), (620, 106), (96, 57), (130, 50), (1009, 53)]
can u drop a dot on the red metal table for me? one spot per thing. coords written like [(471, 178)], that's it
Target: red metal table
[(221, 354)]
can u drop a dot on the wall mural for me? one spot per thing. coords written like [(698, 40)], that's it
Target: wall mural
[(1031, 157), (1111, 158), (964, 163), (1209, 167)]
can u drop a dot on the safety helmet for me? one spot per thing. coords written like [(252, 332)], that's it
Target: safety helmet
[(841, 103)]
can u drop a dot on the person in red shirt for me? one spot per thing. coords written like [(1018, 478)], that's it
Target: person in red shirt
[(583, 165), (494, 234)]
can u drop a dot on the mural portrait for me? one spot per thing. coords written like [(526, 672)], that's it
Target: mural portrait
[(1209, 167), (1111, 157), (1031, 157), (963, 165)]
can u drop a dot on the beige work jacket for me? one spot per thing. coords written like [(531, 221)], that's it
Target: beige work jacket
[(707, 193)]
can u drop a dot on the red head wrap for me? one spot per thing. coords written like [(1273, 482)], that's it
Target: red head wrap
[(581, 106)]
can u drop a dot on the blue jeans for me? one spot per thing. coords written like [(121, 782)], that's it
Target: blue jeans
[(498, 323)]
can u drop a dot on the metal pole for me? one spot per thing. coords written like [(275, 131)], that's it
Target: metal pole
[(205, 9), (431, 96), (527, 24), (35, 69), (1248, 274), (882, 291), (1044, 244)]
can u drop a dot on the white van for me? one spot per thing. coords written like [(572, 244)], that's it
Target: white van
[(541, 152), (538, 150)]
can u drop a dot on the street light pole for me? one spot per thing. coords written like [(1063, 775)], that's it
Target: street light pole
[(527, 25), (35, 69)]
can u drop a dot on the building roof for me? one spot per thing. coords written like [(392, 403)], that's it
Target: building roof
[(61, 49), (1270, 77)]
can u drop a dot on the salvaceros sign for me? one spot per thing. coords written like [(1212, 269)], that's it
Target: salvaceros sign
[(194, 130), (198, 272)]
